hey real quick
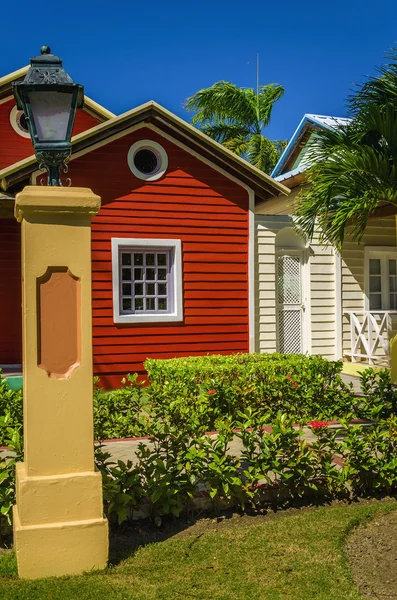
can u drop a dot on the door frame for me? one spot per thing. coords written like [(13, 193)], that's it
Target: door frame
[(304, 254)]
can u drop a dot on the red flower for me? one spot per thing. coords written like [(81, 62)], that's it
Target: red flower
[(211, 392), (288, 376), (294, 385), (318, 425)]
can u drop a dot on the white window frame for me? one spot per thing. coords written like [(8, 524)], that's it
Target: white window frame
[(176, 274), (384, 253)]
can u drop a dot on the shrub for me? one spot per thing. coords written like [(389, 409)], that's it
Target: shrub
[(370, 457), (118, 413), (122, 489), (11, 404), (12, 438), (380, 396)]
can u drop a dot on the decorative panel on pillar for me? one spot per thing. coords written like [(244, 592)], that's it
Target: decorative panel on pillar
[(59, 322)]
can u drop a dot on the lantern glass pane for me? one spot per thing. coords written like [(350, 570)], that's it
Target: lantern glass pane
[(51, 114)]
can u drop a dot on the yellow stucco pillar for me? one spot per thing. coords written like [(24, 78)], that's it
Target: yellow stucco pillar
[(59, 528)]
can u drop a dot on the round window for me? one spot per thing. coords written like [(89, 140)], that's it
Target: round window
[(147, 160), (18, 122)]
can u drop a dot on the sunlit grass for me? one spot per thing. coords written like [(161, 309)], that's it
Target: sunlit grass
[(295, 556)]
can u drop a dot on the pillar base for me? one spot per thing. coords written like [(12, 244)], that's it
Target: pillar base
[(68, 548), (59, 527)]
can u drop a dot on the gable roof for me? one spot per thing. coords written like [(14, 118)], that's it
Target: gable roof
[(90, 106), (309, 122), (151, 112)]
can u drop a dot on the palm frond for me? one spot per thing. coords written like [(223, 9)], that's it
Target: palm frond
[(347, 182), (262, 153), (238, 145), (236, 116), (222, 131), (223, 101), (268, 95), (380, 89)]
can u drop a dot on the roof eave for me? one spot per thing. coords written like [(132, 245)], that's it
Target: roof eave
[(151, 111)]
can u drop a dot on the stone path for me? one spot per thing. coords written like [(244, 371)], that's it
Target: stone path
[(354, 380), (126, 449)]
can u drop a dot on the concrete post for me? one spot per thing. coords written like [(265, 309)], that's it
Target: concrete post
[(59, 527)]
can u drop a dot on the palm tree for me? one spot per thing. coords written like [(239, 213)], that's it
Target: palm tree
[(353, 168), (236, 117)]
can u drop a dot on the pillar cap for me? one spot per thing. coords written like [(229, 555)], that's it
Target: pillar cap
[(56, 201)]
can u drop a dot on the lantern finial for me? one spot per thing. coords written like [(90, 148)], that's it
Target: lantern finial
[(49, 99)]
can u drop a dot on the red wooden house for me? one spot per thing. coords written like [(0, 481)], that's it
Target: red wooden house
[(172, 246)]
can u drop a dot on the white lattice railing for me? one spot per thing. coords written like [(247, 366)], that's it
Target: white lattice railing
[(370, 334)]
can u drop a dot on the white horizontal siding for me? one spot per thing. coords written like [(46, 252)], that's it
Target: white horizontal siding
[(265, 276), (321, 292), (322, 298)]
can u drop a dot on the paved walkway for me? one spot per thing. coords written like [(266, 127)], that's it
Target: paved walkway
[(126, 449), (354, 381)]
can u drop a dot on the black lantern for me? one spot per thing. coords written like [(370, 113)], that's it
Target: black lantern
[(49, 99)]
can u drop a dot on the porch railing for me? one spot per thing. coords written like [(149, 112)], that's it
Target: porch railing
[(370, 333)]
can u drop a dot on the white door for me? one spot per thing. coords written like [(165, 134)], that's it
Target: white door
[(290, 303)]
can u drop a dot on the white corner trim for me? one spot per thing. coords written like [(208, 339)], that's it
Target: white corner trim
[(14, 123), (160, 153), (251, 269), (306, 292), (338, 307), (177, 314)]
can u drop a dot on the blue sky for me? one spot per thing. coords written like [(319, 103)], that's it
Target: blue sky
[(128, 52)]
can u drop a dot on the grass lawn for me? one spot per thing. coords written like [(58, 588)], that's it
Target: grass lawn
[(289, 556)]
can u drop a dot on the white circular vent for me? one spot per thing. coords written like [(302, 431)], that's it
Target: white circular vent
[(18, 122), (147, 160)]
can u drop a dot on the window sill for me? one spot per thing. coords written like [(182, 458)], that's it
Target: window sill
[(147, 318)]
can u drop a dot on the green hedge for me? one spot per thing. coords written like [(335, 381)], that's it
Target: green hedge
[(306, 387)]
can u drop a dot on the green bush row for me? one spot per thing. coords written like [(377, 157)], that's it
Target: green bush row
[(177, 467), (200, 392), (305, 387), (181, 464)]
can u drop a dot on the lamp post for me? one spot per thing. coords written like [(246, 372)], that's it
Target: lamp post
[(49, 99), (59, 527)]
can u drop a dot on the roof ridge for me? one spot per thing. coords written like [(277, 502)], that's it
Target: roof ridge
[(121, 123), (326, 116)]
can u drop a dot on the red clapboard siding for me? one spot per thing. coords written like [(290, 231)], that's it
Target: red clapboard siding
[(10, 292), (193, 203), (14, 147)]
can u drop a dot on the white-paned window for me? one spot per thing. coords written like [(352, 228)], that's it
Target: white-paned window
[(147, 280), (381, 278)]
